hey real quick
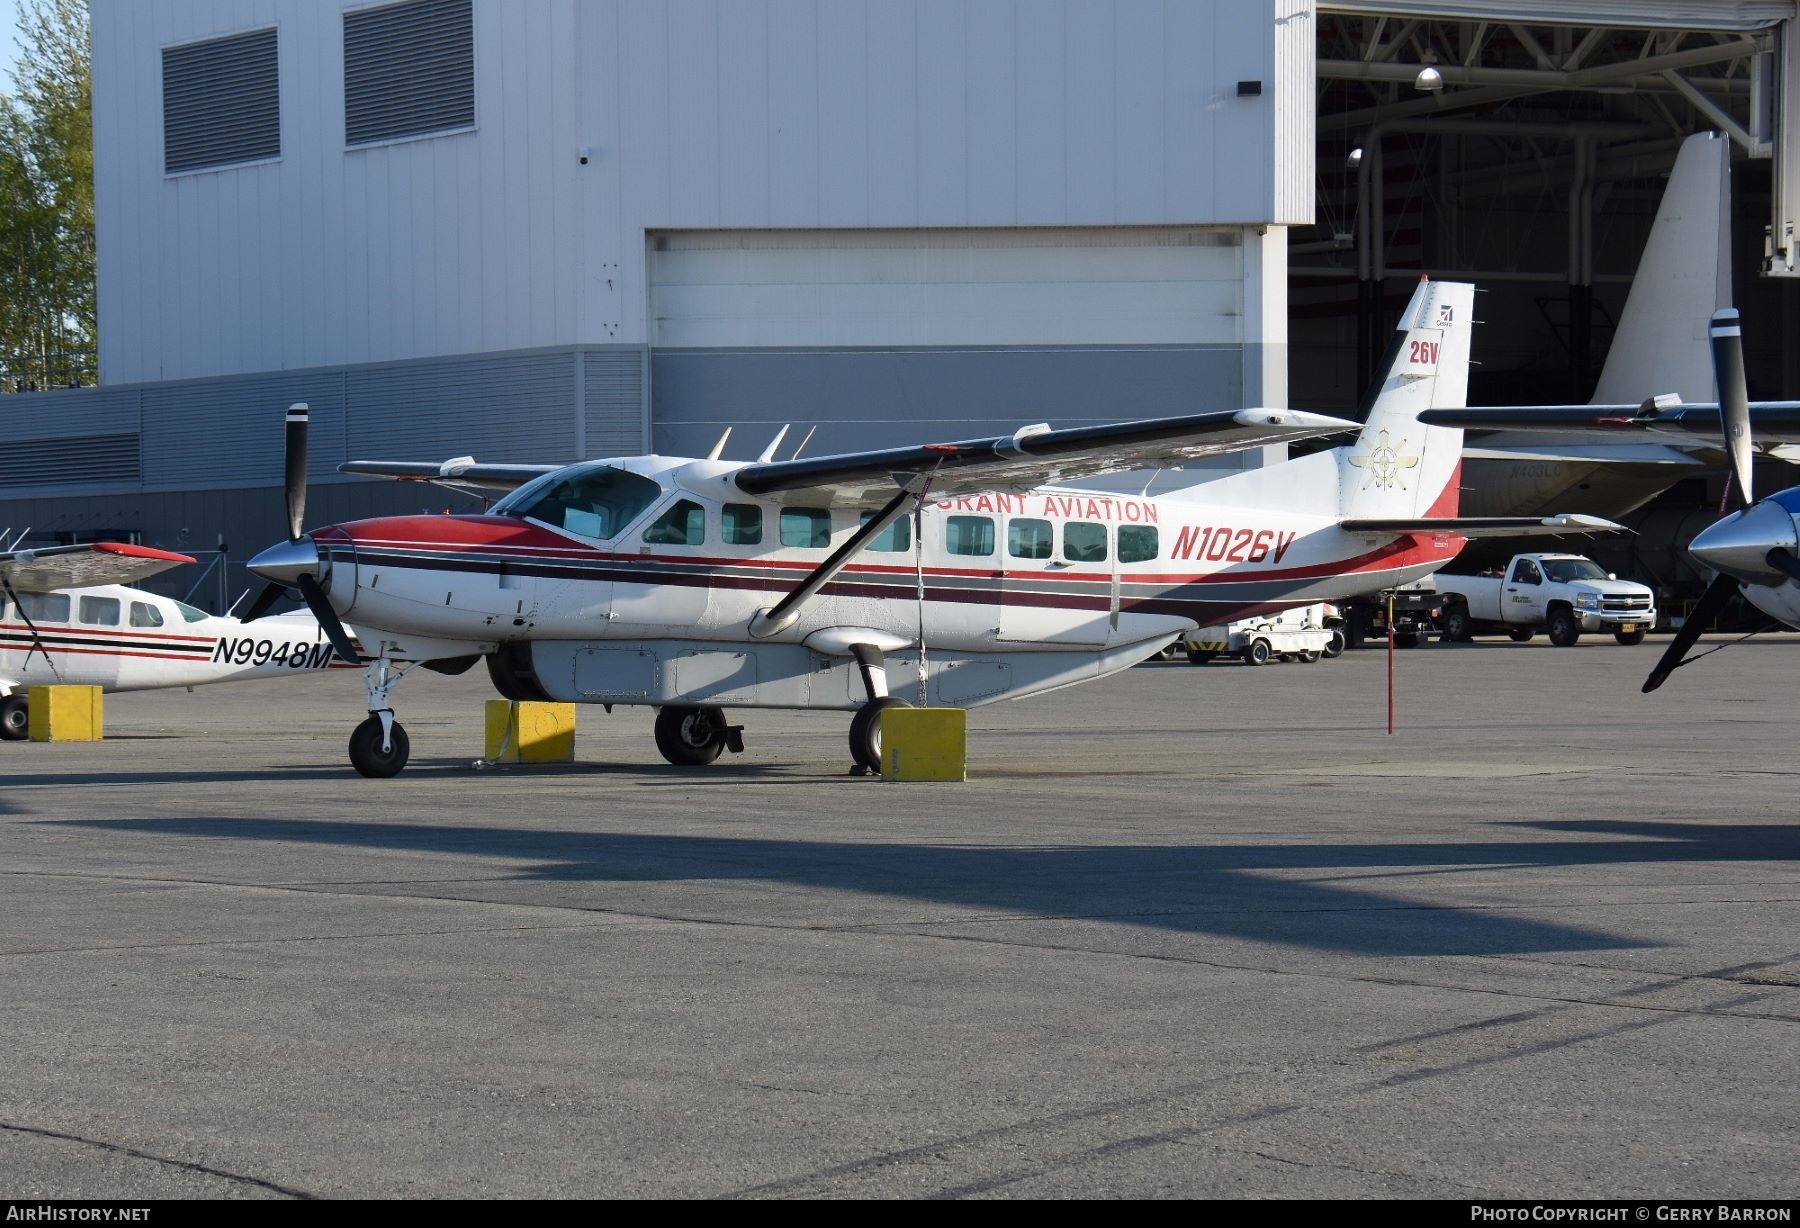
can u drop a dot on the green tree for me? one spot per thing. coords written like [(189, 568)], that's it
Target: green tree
[(47, 321)]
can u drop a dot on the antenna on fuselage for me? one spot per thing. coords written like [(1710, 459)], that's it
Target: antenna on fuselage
[(803, 443), (768, 453), (718, 449)]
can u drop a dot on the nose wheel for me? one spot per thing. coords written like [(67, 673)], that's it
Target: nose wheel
[(377, 752)]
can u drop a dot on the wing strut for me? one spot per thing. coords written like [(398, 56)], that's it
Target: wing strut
[(37, 637), (786, 612)]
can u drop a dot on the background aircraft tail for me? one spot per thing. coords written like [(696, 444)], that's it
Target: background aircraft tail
[(1398, 466)]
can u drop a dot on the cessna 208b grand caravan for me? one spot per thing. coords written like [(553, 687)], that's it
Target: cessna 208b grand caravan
[(66, 618), (959, 573)]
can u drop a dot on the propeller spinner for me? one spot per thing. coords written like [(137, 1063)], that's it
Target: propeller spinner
[(295, 563)]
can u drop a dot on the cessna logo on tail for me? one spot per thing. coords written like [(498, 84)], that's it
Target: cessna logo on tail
[(1384, 463)]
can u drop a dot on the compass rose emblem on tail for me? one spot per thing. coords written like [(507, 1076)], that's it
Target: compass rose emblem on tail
[(1384, 463)]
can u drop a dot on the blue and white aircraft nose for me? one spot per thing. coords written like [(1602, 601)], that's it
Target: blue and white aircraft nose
[(1739, 545), (286, 562)]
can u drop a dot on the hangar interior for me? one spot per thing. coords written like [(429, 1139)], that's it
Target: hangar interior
[(1520, 145)]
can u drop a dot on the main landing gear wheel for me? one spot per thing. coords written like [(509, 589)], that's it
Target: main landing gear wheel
[(690, 736), (367, 755), (865, 731), (15, 719), (1629, 638)]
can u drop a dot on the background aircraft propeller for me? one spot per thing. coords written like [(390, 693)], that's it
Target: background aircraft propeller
[(1734, 417)]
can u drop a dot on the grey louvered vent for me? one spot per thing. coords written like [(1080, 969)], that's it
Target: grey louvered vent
[(408, 69), (614, 395), (221, 102), (74, 458)]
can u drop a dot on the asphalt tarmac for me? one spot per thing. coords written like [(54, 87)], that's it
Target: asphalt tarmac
[(1185, 932)]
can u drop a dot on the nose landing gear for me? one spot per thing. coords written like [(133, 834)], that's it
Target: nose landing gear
[(379, 747)]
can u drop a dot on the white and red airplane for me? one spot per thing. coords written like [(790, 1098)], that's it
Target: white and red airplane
[(66, 619), (962, 573)]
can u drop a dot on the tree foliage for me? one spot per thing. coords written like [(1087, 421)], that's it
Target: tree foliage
[(47, 321)]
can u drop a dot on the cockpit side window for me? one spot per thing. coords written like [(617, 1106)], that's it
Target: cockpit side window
[(597, 501)]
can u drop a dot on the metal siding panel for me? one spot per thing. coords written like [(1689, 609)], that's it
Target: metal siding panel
[(44, 415), (893, 116), (943, 114), (991, 80), (876, 398), (615, 401), (694, 101), (229, 430), (505, 409), (1142, 108), (846, 172), (1042, 134), (794, 113)]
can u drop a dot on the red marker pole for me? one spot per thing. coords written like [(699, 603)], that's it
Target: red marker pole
[(1390, 613)]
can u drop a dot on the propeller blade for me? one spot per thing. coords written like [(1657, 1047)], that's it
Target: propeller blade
[(295, 447), (328, 619), (1734, 400), (265, 601), (1785, 562), (1699, 618)]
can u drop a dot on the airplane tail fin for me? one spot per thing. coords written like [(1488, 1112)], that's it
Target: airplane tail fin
[(1684, 275), (1399, 467)]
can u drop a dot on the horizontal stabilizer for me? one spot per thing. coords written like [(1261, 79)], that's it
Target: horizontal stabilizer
[(1492, 526), (1770, 421)]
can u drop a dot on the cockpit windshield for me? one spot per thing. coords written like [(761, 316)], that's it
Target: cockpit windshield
[(1565, 570), (595, 501)]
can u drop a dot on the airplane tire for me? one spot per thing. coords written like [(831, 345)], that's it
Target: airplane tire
[(1629, 638), (15, 719), (690, 736), (865, 730), (366, 755), (1563, 628)]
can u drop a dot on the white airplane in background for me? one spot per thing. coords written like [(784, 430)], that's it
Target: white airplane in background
[(63, 621), (1754, 551), (695, 585)]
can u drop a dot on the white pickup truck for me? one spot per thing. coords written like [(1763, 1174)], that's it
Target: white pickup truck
[(1564, 594)]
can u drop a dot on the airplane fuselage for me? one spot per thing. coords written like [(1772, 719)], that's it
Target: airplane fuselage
[(998, 578)]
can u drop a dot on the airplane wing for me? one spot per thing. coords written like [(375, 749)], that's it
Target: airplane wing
[(461, 473), (83, 566), (1775, 422), (1568, 524), (1034, 457)]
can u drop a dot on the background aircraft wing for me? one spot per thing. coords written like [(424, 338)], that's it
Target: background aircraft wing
[(1492, 526), (1774, 422), (462, 473), (83, 566), (1033, 458)]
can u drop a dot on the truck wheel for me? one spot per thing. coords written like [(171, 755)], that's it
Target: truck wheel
[(1334, 647), (1457, 627), (1630, 637), (1563, 628), (1258, 653), (1199, 656), (1520, 634), (1307, 658)]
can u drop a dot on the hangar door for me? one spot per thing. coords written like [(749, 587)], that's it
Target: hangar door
[(889, 337)]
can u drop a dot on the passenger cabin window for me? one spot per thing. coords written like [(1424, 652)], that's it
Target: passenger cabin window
[(1029, 539), (597, 501), (1138, 543), (100, 611), (895, 538), (969, 535), (740, 524), (145, 615), (1084, 543), (684, 524), (1526, 572), (806, 527), (45, 607)]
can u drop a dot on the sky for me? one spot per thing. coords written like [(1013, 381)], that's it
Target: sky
[(9, 45)]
